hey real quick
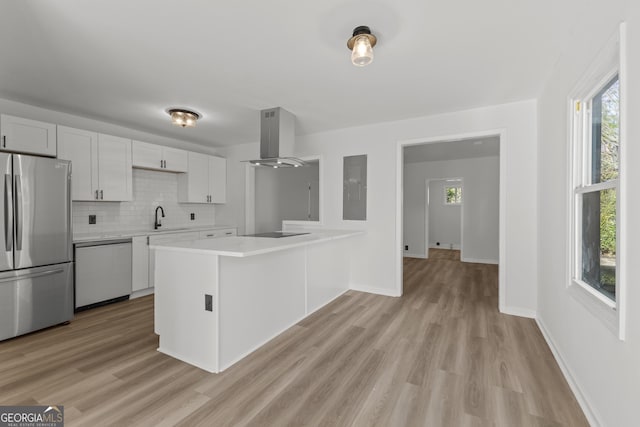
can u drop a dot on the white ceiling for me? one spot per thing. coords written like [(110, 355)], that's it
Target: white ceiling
[(453, 150), (126, 61)]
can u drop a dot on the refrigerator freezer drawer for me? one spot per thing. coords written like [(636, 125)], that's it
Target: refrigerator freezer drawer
[(35, 298)]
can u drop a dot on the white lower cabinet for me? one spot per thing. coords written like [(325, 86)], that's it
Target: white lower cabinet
[(143, 258), (215, 234)]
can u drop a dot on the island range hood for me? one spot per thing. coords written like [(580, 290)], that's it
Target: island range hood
[(277, 135)]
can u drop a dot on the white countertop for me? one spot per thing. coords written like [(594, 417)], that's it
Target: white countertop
[(244, 246), (88, 237)]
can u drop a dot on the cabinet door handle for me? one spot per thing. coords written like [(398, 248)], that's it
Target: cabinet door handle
[(101, 195), (210, 235), (97, 198), (160, 164), (228, 233), (164, 164), (4, 141)]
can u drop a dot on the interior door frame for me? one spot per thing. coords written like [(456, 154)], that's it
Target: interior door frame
[(502, 134), (427, 205)]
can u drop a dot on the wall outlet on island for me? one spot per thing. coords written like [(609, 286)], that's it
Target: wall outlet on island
[(192, 216), (92, 219)]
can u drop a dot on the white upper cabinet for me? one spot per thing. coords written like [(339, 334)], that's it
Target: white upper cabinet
[(205, 180), (27, 136), (114, 168), (81, 147), (158, 157), (100, 164), (175, 160)]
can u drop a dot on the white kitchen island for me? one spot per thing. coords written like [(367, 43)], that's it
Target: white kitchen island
[(258, 287)]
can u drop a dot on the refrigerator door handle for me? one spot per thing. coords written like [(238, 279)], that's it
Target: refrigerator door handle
[(18, 216), (8, 213), (32, 275)]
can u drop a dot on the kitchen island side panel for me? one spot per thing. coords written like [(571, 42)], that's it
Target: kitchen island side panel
[(261, 296), (328, 272), (187, 331)]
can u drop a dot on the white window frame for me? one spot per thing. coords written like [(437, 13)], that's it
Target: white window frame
[(610, 62), (457, 184)]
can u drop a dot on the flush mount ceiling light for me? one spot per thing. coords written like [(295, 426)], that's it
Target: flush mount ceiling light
[(361, 45), (183, 118)]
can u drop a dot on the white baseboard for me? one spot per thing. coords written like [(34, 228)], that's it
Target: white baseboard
[(446, 246), (587, 408), (480, 261), (408, 255), (204, 366), (377, 291), (519, 311), (141, 293)]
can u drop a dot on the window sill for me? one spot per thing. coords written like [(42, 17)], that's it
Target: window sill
[(599, 305)]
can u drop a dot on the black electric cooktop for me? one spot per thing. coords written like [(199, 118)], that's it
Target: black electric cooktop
[(275, 234)]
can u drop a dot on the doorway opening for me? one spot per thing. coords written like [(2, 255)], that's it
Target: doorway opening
[(443, 215), (451, 196)]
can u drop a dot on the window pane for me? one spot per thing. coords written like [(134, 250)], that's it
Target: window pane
[(599, 241), (605, 122), (453, 195)]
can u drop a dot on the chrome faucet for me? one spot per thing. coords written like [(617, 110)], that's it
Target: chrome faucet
[(157, 224)]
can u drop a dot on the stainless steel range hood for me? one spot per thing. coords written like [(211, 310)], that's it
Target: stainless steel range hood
[(277, 136)]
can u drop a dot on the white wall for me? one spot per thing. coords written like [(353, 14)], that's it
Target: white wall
[(376, 262), (283, 194), (150, 189), (480, 228), (605, 370), (445, 220)]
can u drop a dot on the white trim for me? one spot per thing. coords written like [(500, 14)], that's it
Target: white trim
[(596, 294), (592, 188), (427, 203), (372, 290), (249, 199), (589, 410), (444, 246), (519, 311), (592, 301), (480, 261), (185, 359), (623, 193), (142, 293), (502, 133), (410, 255), (611, 60)]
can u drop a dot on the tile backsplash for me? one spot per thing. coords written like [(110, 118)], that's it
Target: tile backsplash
[(150, 189)]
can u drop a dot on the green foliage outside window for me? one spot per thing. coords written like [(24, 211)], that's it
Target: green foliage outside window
[(609, 167)]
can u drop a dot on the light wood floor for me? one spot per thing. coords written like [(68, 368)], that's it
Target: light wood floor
[(441, 355)]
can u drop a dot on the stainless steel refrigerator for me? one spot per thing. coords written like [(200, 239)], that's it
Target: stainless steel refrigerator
[(36, 263)]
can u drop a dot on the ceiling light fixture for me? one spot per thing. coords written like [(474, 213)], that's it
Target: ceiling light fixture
[(183, 118), (361, 45)]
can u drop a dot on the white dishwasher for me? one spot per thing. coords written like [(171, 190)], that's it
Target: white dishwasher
[(103, 272)]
